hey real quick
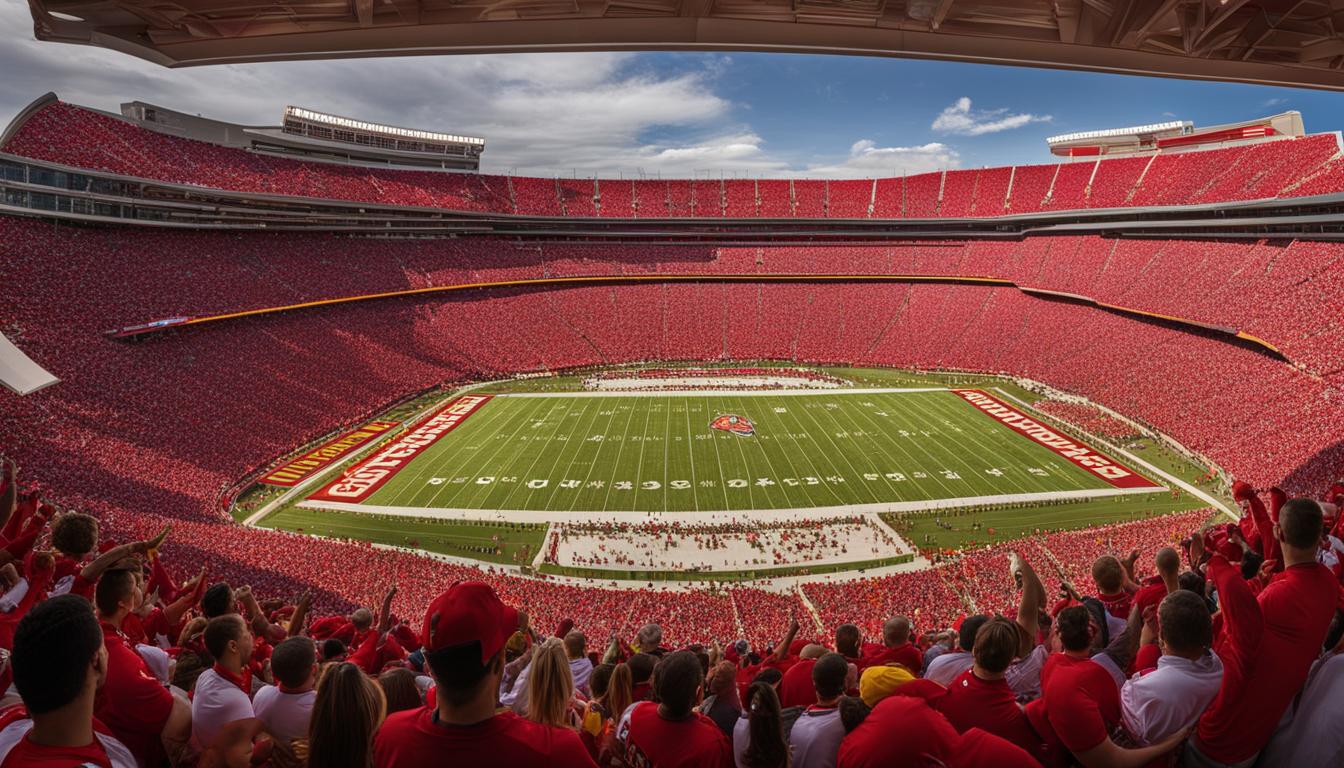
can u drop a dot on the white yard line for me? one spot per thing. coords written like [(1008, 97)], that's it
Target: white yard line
[(738, 515), (1192, 490)]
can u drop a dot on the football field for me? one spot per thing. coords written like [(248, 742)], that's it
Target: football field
[(661, 452)]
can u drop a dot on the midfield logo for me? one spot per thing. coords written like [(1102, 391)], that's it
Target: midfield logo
[(738, 425)]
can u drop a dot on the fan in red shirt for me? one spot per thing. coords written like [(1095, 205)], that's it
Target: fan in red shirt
[(1115, 589), (905, 732), (144, 715), (464, 634), (795, 689), (59, 663), (671, 733), (1269, 640), (981, 698), (896, 648), (1080, 697)]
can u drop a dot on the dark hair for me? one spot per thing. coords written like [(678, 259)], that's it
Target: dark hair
[(399, 688), (852, 712), (847, 637), (189, 667), (292, 661), (1301, 521), (333, 648), (600, 679), (75, 534), (996, 644), (641, 667), (966, 637), (114, 586), (221, 630), (828, 675), (347, 711), (766, 745), (217, 600), (1250, 564), (458, 671), (1185, 622), (53, 646), (1108, 574), (1074, 623), (678, 678), (769, 676)]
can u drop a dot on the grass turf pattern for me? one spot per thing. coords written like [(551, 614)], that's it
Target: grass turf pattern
[(658, 453)]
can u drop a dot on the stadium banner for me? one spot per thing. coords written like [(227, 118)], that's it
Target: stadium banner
[(359, 482), (294, 472), (1084, 456)]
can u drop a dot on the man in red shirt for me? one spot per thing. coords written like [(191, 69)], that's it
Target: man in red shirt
[(904, 732), (1268, 641), (143, 714), (671, 733), (795, 689), (981, 698), (59, 663), (897, 648), (1080, 697), (464, 634)]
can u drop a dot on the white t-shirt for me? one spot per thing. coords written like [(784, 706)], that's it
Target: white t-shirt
[(1312, 733), (215, 703), (816, 737), (1170, 698), (944, 669), (285, 715)]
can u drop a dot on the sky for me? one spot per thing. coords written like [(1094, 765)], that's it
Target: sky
[(666, 114)]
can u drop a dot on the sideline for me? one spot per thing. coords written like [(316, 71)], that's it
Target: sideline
[(1192, 490), (719, 515)]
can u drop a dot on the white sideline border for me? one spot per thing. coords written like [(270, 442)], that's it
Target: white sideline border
[(723, 515)]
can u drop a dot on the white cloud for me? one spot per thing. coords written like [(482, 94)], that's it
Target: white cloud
[(1275, 102), (603, 114), (959, 119), (866, 160)]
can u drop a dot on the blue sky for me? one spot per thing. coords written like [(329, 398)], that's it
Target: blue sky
[(668, 114)]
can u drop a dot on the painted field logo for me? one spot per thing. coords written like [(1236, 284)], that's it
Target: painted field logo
[(730, 422)]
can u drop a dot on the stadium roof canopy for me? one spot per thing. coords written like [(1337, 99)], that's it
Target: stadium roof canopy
[(1273, 41)]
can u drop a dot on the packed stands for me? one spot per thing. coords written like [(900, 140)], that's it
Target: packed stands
[(82, 138)]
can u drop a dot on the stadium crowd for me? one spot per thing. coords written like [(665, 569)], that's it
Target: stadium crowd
[(82, 138), (1219, 648)]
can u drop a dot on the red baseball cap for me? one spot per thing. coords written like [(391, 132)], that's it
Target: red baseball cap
[(469, 611)]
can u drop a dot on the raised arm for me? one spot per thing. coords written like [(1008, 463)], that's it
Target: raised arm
[(1029, 608), (111, 557), (782, 650), (385, 612), (1243, 623), (300, 614)]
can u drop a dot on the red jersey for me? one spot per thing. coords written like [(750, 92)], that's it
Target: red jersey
[(796, 688), (989, 705), (651, 741), (1267, 646), (18, 751), (1117, 605), (1079, 706), (415, 737), (132, 702), (906, 654), (899, 729)]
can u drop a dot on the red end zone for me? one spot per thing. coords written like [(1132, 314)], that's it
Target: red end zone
[(359, 482), (1098, 464), (295, 470)]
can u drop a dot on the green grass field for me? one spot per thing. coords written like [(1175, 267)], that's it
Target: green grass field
[(571, 452), (658, 453)]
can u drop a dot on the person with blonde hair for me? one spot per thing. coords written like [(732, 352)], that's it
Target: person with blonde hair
[(550, 687), (346, 714)]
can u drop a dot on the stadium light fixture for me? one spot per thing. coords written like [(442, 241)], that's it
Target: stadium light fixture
[(361, 125), (1112, 132)]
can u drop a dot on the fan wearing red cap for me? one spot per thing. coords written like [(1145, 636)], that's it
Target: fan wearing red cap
[(464, 634)]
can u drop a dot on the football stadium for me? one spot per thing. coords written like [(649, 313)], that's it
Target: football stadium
[(332, 441)]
